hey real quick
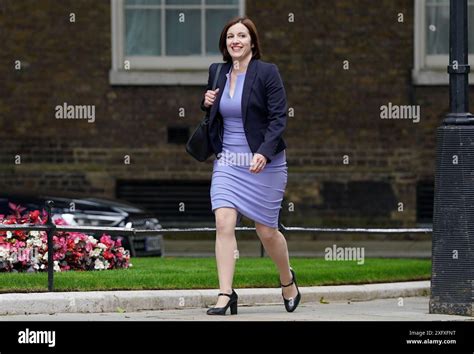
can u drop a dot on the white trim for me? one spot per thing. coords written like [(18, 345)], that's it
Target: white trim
[(419, 34), (429, 69), (163, 33), (166, 78), (203, 28), (172, 62), (158, 70), (434, 77), (441, 61), (242, 7), (117, 34)]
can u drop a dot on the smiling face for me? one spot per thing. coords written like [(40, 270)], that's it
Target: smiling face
[(239, 42)]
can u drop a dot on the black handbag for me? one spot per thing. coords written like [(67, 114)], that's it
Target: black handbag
[(199, 145)]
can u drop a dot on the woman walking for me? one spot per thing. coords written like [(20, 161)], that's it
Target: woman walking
[(247, 120)]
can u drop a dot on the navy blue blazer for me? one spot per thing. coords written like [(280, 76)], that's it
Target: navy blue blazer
[(264, 108)]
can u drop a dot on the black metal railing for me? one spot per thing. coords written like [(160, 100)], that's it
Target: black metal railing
[(50, 228)]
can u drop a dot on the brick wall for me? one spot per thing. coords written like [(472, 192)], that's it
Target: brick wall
[(336, 110)]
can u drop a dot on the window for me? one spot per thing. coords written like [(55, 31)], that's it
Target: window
[(167, 42), (432, 41)]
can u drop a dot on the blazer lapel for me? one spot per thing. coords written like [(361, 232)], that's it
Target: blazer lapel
[(247, 89), (248, 84)]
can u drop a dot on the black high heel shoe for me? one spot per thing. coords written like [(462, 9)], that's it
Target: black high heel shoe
[(292, 303), (233, 298)]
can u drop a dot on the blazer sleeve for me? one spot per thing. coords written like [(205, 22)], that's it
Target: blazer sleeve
[(208, 87), (277, 107)]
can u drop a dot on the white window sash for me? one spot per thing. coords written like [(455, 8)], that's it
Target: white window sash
[(429, 69), (159, 70)]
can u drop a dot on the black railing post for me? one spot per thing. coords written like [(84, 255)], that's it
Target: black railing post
[(50, 232)]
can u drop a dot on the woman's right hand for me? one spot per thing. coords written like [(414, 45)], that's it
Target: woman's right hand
[(209, 97)]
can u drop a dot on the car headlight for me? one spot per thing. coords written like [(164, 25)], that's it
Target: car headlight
[(84, 219)]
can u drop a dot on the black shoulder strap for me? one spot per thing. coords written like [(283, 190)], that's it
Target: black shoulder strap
[(216, 77)]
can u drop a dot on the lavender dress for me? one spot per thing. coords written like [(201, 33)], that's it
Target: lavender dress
[(257, 196)]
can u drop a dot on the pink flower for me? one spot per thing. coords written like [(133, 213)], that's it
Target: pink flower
[(60, 221), (72, 250), (107, 240)]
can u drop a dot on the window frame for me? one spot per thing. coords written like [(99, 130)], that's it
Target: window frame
[(158, 70), (432, 69)]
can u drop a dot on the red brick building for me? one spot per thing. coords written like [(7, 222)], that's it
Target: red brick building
[(142, 66)]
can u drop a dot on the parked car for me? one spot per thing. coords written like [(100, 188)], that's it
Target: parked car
[(96, 212)]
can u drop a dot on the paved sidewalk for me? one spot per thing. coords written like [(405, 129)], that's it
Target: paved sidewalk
[(407, 309), (132, 301)]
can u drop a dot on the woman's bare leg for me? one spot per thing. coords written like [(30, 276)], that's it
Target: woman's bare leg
[(226, 251), (276, 247)]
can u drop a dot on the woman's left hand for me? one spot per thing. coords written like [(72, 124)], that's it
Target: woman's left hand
[(258, 163)]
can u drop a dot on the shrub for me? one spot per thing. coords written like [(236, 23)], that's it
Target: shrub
[(22, 251)]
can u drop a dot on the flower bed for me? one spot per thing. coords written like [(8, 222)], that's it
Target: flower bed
[(22, 251)]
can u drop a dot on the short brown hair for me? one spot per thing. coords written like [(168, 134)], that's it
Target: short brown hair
[(253, 36)]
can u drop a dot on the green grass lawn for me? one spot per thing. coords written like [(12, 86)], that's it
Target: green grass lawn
[(201, 273)]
